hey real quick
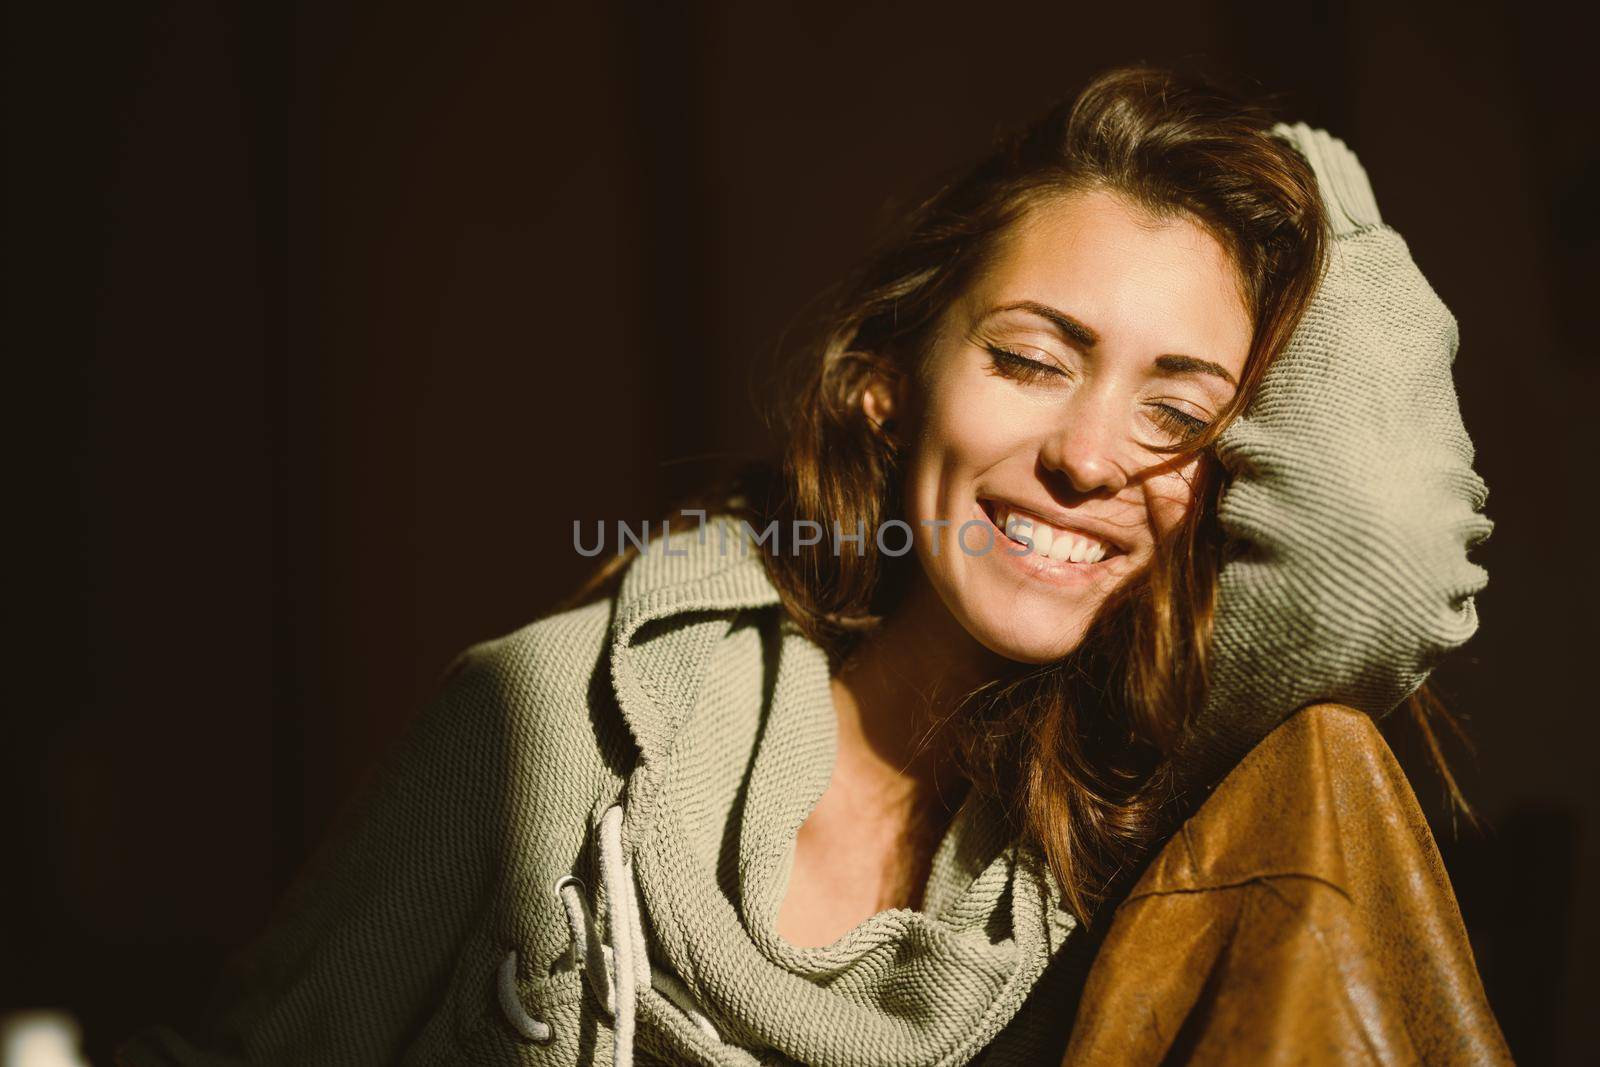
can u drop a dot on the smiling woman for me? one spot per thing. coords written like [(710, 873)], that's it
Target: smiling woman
[(1134, 385), (1053, 422)]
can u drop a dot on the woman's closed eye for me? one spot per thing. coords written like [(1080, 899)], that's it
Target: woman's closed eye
[(1177, 423), (1170, 420), (1021, 368)]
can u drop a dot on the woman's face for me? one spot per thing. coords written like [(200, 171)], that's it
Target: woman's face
[(1095, 332)]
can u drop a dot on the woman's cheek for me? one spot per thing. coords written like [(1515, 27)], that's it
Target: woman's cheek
[(1169, 497)]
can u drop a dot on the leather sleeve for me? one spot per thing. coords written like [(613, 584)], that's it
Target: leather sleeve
[(1302, 915)]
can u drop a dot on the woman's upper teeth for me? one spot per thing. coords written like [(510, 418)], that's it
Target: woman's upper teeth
[(1048, 540)]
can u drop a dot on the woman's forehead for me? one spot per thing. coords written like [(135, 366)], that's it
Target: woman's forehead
[(1132, 279)]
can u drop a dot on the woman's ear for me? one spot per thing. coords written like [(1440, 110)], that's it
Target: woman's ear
[(884, 404)]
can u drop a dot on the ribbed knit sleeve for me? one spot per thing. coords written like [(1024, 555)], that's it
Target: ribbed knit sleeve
[(360, 951), (1351, 502)]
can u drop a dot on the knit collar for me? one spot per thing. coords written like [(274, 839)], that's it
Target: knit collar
[(680, 591), (904, 987)]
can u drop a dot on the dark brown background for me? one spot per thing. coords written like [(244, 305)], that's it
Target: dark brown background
[(325, 322)]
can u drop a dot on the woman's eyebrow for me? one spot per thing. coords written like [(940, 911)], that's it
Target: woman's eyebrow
[(1174, 364), (1074, 330), (1069, 326)]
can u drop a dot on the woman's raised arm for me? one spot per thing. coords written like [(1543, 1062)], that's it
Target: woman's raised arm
[(1351, 501)]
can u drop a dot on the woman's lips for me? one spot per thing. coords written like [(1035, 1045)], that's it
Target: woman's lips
[(1046, 540), (1030, 563)]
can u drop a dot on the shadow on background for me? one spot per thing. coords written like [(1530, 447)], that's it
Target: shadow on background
[(327, 321)]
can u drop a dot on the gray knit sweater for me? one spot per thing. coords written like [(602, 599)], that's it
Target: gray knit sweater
[(577, 851)]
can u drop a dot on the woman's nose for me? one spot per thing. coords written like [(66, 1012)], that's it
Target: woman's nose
[(1085, 447)]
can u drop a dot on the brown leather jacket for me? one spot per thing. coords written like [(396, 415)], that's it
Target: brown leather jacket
[(1301, 915)]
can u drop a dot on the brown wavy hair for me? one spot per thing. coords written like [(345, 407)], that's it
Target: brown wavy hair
[(1077, 751)]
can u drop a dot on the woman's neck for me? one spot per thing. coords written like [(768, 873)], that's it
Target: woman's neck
[(904, 677), (869, 842)]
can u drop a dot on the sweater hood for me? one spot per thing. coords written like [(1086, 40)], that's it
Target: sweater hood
[(715, 981)]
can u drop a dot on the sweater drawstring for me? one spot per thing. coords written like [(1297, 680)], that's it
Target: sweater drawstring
[(614, 970)]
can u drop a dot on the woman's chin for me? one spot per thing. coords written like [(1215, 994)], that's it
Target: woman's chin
[(1029, 638), (1025, 623)]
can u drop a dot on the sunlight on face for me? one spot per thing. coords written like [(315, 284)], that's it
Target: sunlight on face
[(1096, 332)]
